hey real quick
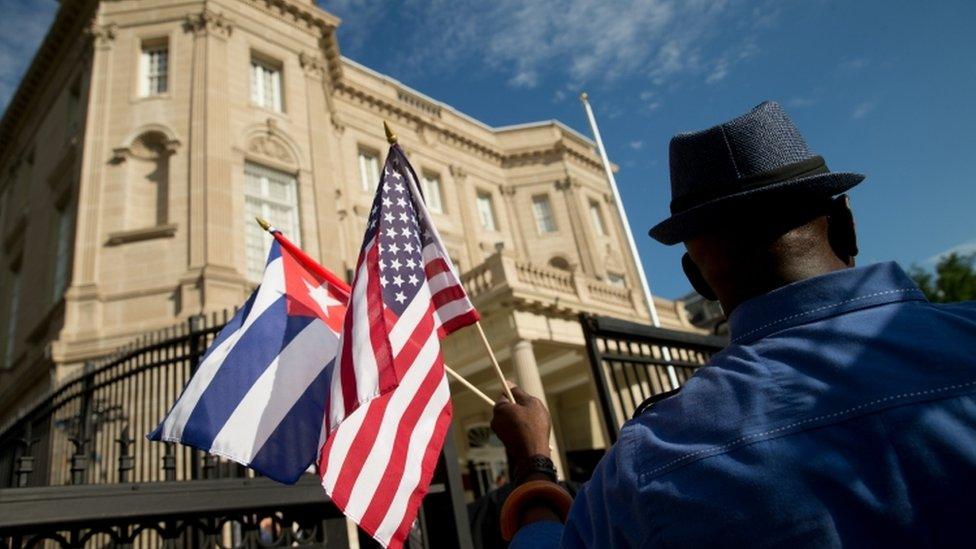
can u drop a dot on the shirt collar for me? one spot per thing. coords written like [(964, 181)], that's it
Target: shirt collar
[(819, 297)]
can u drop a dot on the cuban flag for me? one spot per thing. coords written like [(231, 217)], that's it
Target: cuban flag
[(260, 392)]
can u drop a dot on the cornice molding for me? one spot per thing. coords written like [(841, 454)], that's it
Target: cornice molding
[(404, 116), (305, 16), (70, 22), (425, 123)]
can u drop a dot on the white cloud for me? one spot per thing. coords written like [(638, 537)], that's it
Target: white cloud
[(22, 28), (580, 40), (863, 109), (801, 102), (854, 64), (718, 72), (965, 248), (636, 145)]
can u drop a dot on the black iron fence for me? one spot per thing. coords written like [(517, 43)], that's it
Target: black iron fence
[(634, 363), (76, 469), (91, 429)]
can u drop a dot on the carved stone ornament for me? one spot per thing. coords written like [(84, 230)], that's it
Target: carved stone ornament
[(566, 184), (101, 35), (337, 122), (458, 172), (312, 64), (209, 21), (267, 145)]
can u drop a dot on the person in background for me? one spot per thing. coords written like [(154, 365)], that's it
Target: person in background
[(843, 411)]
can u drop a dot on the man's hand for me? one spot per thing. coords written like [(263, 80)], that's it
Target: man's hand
[(523, 426)]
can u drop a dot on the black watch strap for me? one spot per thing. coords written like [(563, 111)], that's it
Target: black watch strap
[(532, 465)]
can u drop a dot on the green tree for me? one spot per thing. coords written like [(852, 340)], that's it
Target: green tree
[(954, 279)]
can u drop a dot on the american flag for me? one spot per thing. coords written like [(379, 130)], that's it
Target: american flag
[(390, 408)]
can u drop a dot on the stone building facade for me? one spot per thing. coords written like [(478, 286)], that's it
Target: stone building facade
[(147, 134)]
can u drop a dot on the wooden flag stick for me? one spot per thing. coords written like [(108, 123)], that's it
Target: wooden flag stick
[(468, 384), (494, 362)]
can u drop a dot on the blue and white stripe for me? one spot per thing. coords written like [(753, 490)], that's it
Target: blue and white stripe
[(258, 396)]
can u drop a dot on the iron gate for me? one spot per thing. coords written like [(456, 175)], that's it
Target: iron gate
[(632, 363)]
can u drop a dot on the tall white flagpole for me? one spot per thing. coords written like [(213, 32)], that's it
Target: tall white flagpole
[(645, 285)]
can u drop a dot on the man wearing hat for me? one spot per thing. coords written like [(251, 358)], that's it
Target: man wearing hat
[(843, 412)]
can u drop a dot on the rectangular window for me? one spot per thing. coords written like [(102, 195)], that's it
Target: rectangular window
[(369, 170), (486, 211), (430, 185), (65, 229), (13, 314), (596, 215), (616, 279), (273, 195), (542, 209), (266, 84), (154, 69)]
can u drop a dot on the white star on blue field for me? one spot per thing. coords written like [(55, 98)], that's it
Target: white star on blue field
[(881, 88)]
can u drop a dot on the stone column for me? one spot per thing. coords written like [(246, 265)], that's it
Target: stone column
[(211, 278), (518, 234), (323, 229), (528, 378), (585, 246), (83, 309), (468, 219)]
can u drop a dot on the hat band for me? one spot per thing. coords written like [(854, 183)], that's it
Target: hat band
[(812, 166)]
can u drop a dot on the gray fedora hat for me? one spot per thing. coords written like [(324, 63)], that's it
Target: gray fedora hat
[(760, 153)]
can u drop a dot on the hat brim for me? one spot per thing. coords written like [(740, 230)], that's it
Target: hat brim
[(694, 221)]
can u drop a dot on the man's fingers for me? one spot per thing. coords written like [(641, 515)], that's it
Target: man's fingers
[(521, 396)]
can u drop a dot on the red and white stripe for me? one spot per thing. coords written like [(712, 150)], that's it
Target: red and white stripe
[(364, 366), (390, 405), (452, 307), (376, 466)]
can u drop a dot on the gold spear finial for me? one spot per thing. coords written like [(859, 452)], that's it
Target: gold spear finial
[(264, 223), (390, 136)]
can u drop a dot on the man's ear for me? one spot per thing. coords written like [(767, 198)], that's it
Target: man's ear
[(841, 231), (697, 280)]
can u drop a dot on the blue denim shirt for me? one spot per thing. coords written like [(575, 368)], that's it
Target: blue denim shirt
[(842, 413)]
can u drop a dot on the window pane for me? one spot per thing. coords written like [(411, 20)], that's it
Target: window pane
[(369, 170), (256, 87), (431, 187), (486, 212), (13, 312), (273, 195), (616, 279), (596, 215), (63, 251), (154, 69), (543, 214), (265, 86), (275, 90)]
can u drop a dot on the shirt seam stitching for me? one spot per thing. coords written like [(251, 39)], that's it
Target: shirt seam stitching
[(819, 309), (714, 450)]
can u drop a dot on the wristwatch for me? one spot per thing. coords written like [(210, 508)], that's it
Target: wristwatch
[(532, 465)]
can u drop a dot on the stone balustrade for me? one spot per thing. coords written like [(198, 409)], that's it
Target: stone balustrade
[(502, 274)]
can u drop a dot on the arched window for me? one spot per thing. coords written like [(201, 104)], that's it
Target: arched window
[(147, 185), (561, 263)]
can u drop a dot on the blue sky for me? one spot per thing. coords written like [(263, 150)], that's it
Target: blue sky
[(885, 88)]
